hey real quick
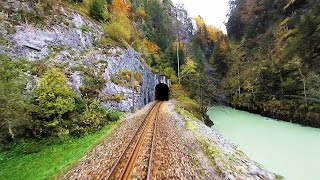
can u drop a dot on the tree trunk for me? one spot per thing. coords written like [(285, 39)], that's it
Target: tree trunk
[(304, 85), (10, 130), (254, 96), (239, 86)]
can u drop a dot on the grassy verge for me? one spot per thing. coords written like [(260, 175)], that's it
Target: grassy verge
[(37, 160), (184, 101)]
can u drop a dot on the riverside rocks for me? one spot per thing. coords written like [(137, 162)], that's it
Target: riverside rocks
[(228, 161)]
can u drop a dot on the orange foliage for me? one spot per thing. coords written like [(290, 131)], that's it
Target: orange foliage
[(223, 45), (209, 34), (120, 7), (152, 48)]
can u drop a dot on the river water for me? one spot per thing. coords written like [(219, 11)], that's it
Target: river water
[(290, 150)]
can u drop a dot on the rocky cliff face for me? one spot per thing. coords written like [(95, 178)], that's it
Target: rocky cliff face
[(128, 60), (70, 40)]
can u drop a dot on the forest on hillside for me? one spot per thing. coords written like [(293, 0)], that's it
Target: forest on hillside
[(273, 59)]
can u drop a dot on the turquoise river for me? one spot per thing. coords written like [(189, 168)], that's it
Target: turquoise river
[(287, 149)]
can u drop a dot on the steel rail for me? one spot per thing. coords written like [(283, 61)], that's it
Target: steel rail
[(129, 163), (149, 175)]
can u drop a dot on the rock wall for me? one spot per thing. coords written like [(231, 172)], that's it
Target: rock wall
[(68, 39), (128, 60)]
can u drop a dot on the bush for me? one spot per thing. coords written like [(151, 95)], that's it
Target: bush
[(119, 29), (106, 43), (114, 116), (44, 6), (92, 85), (85, 28), (185, 102), (123, 78), (38, 68), (97, 10), (141, 13), (93, 118), (53, 102), (90, 120), (13, 105), (115, 97)]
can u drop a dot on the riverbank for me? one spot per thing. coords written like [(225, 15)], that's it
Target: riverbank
[(293, 114), (228, 161), (282, 147)]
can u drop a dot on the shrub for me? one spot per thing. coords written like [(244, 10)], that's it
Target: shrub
[(123, 78), (85, 28), (113, 115), (97, 10), (141, 13), (115, 97), (93, 118), (92, 85), (44, 6), (185, 102), (119, 29), (106, 42), (38, 68), (13, 105), (90, 120), (53, 102)]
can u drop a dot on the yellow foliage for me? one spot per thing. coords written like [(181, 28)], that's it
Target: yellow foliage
[(115, 97), (156, 58), (200, 23), (213, 33), (189, 67), (141, 13), (119, 29)]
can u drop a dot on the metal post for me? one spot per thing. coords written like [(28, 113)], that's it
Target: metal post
[(132, 79), (178, 60)]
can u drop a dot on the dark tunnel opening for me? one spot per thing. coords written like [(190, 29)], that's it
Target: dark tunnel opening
[(162, 92)]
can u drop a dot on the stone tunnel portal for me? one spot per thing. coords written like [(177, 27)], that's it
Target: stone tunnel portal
[(162, 92)]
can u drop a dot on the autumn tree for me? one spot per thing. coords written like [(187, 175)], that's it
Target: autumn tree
[(120, 7)]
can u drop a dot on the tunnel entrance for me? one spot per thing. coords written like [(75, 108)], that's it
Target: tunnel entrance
[(162, 92)]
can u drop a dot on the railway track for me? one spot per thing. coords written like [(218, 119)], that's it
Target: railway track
[(136, 161)]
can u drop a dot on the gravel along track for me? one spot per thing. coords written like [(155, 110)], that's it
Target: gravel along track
[(147, 145), (98, 162)]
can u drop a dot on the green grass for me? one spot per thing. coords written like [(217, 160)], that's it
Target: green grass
[(36, 160)]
